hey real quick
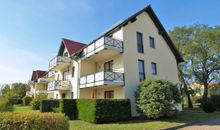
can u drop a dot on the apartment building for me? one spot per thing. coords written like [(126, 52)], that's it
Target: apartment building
[(38, 83), (114, 64)]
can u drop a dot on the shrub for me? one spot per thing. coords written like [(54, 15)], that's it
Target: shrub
[(35, 103), (48, 105), (68, 107), (208, 106), (5, 105), (26, 100), (216, 100), (33, 121), (103, 110), (14, 99), (156, 98)]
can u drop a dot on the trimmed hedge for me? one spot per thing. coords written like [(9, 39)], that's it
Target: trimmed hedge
[(68, 107), (33, 121), (5, 104), (48, 105), (91, 110), (103, 110)]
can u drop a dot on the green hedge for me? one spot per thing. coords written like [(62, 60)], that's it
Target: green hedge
[(5, 104), (48, 105), (103, 110), (33, 121), (68, 107)]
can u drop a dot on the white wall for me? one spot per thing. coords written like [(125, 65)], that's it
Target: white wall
[(162, 55)]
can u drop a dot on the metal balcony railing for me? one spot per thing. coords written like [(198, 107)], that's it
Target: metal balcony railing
[(58, 60), (105, 42), (58, 85), (102, 76)]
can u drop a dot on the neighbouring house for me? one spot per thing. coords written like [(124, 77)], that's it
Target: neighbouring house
[(37, 83), (113, 65), (199, 88)]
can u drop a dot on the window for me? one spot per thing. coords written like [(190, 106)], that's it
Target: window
[(73, 71), (63, 95), (65, 75), (56, 96), (154, 68), (72, 95), (140, 47), (151, 40), (141, 70), (109, 94), (108, 66)]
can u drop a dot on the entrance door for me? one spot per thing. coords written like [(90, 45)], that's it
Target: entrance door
[(63, 95), (108, 66)]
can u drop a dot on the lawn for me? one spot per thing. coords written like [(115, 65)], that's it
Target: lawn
[(181, 118)]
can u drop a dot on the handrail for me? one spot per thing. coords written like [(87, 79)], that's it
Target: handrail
[(105, 41), (102, 76), (57, 84), (58, 59)]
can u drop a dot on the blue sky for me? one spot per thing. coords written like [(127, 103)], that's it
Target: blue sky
[(30, 31)]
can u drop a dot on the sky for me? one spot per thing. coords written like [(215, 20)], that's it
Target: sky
[(31, 30)]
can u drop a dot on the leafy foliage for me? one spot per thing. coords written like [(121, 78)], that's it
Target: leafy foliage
[(35, 103), (26, 100), (47, 105), (103, 110), (155, 98), (68, 107), (216, 100), (5, 104), (33, 121), (200, 47), (208, 106)]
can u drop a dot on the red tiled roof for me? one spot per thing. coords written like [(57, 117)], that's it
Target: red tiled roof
[(72, 46), (37, 74)]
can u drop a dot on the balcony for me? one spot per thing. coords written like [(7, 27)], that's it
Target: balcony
[(59, 63), (58, 85), (102, 49), (102, 78), (39, 92)]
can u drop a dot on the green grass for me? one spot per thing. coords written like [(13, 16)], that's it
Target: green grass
[(182, 117), (23, 109)]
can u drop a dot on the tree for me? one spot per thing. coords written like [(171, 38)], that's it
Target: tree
[(206, 55), (20, 89), (157, 98), (5, 89), (201, 50), (182, 40)]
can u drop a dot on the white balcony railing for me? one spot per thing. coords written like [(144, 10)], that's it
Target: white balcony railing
[(102, 78), (59, 60), (58, 85), (103, 43)]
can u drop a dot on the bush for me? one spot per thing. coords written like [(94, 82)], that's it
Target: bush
[(14, 99), (5, 105), (157, 98), (216, 100), (33, 121), (35, 103), (48, 105), (208, 106), (26, 100), (103, 110), (68, 107)]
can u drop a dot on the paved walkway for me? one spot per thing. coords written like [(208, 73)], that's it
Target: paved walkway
[(212, 124)]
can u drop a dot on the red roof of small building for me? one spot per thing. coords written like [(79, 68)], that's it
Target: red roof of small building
[(37, 74), (72, 46)]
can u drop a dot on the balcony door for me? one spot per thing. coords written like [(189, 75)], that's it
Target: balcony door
[(108, 66)]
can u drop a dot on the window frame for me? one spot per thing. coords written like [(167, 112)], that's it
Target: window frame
[(73, 71), (110, 64), (141, 73), (65, 75), (140, 45), (109, 94), (152, 45), (153, 68)]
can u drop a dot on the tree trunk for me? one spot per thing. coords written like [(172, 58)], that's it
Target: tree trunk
[(188, 96), (205, 94)]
